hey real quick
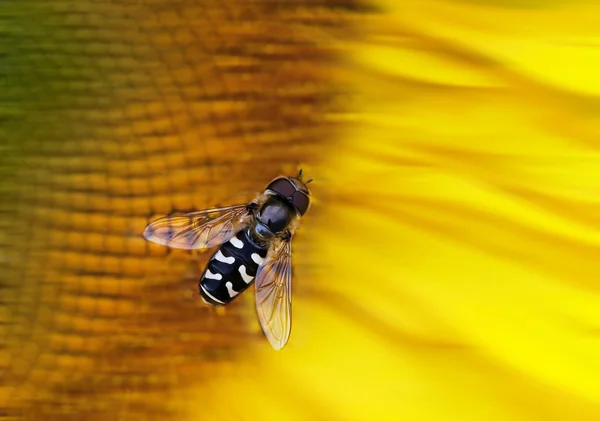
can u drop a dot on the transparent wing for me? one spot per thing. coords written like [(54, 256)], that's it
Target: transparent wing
[(197, 230), (273, 289)]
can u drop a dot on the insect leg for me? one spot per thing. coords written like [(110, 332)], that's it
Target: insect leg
[(252, 207), (286, 236)]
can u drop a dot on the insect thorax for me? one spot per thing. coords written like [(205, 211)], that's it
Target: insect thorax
[(274, 216)]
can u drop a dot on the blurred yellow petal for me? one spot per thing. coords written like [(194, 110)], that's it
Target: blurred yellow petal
[(553, 44)]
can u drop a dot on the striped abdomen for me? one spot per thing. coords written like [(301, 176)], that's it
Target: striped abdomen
[(231, 269)]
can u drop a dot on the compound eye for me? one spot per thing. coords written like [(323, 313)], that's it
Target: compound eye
[(283, 186), (301, 202)]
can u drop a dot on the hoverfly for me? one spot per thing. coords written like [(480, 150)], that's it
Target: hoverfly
[(255, 245)]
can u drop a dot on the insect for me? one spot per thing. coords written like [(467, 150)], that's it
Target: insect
[(255, 245)]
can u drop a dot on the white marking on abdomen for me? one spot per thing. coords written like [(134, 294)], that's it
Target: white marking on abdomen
[(210, 275), (210, 295), (230, 290), (257, 259), (247, 278), (221, 258), (237, 243)]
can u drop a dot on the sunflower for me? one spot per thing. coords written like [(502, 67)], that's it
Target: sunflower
[(446, 271)]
